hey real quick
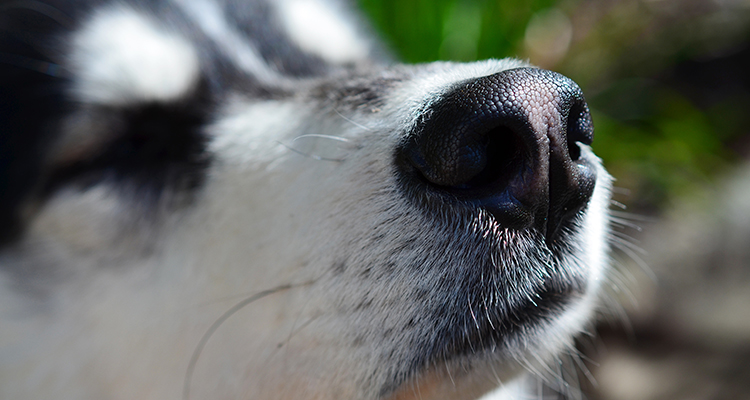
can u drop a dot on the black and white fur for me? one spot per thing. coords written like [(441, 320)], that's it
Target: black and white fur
[(208, 199)]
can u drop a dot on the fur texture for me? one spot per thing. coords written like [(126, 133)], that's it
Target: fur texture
[(205, 199)]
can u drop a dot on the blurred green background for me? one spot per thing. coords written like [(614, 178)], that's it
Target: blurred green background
[(667, 80)]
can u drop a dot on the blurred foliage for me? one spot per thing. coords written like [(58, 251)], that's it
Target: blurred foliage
[(427, 30), (638, 61)]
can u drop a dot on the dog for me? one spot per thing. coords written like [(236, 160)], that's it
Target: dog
[(241, 199)]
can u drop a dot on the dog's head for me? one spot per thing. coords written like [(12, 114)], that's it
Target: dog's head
[(378, 232)]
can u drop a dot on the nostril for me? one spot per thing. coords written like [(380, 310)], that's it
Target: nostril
[(504, 152), (491, 158), (580, 129), (487, 161), (461, 149)]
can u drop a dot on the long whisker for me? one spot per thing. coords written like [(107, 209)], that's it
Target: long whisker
[(318, 135), (314, 157), (215, 326), (357, 124), (634, 253), (624, 223), (632, 216)]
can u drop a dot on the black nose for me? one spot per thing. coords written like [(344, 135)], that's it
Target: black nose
[(509, 143)]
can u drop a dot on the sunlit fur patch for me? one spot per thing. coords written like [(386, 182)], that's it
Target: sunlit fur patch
[(317, 26), (121, 56)]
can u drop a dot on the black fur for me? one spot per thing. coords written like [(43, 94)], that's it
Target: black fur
[(153, 148), (157, 147), (32, 101)]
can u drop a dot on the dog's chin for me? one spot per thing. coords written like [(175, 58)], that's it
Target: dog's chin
[(499, 314)]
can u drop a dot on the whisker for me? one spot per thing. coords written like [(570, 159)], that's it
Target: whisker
[(621, 190), (494, 373), (561, 384), (215, 326), (622, 279), (527, 365), (628, 240), (624, 223), (314, 157), (617, 204), (318, 135), (634, 253), (632, 216), (448, 370), (578, 359), (296, 330), (616, 316), (357, 124)]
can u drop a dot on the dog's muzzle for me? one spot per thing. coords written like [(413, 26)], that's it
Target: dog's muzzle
[(508, 143)]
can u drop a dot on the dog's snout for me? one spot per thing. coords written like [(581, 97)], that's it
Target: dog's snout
[(509, 143)]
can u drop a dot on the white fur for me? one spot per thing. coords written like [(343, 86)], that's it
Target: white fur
[(248, 131), (120, 56), (596, 226), (317, 27), (514, 390)]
